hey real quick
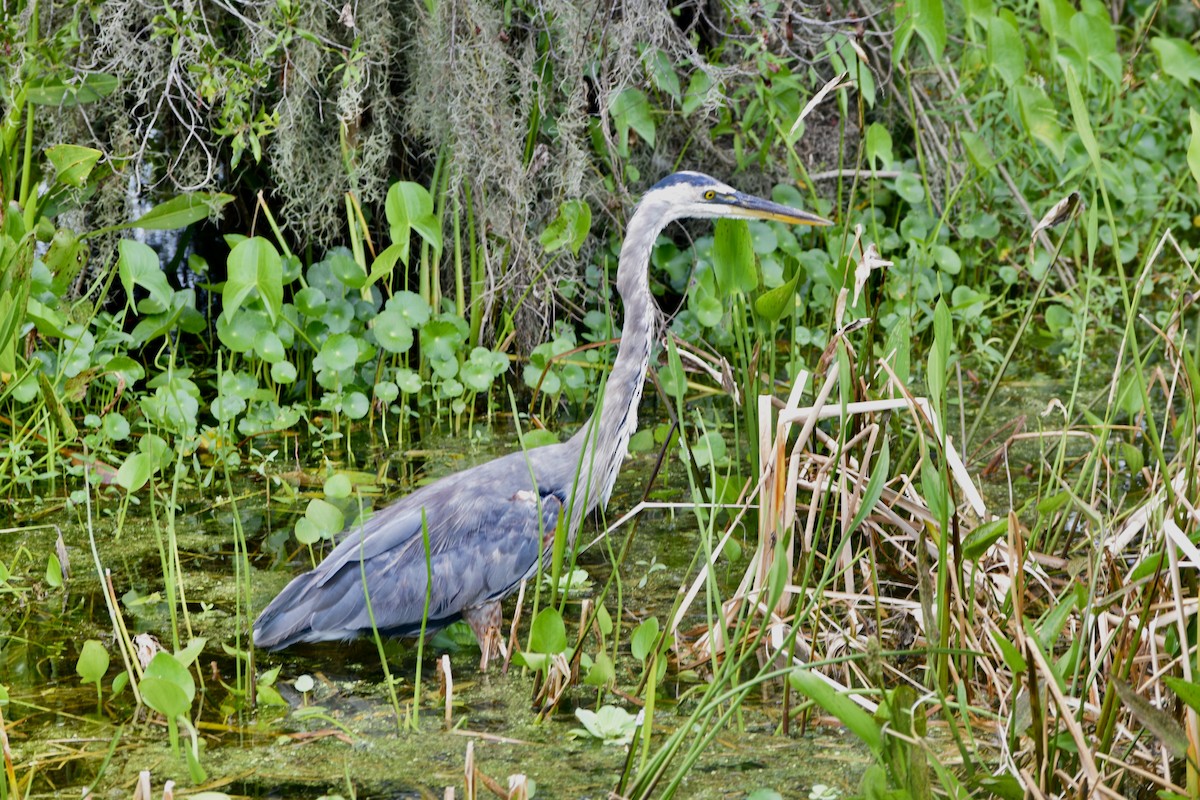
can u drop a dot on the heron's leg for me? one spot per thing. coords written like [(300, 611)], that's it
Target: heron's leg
[(485, 622)]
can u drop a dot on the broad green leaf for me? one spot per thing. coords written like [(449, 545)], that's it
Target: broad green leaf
[(54, 91), (1178, 58), (630, 110), (409, 207), (662, 73), (325, 515), (179, 212), (978, 152), (137, 265), (254, 264), (1154, 719), (733, 257), (641, 643), (837, 703), (878, 146), (548, 634), (569, 228), (1193, 151), (1005, 50), (135, 471), (697, 92), (1186, 691), (93, 661), (774, 304), (1040, 118), (72, 163), (165, 668), (927, 19)]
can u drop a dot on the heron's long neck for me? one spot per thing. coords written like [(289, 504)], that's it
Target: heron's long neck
[(605, 437)]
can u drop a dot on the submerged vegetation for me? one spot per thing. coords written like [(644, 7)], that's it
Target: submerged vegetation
[(930, 476)]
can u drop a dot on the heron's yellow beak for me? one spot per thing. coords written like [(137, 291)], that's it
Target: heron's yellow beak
[(752, 207)]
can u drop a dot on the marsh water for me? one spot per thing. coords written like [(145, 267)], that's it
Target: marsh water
[(342, 735)]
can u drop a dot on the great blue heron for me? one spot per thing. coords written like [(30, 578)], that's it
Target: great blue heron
[(488, 525)]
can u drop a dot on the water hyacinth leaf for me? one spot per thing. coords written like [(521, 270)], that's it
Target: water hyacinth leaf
[(837, 703), (641, 643), (254, 265), (733, 257), (611, 724), (51, 90), (630, 110), (93, 662), (180, 211), (548, 634), (72, 163), (569, 228), (410, 208), (138, 265), (392, 332)]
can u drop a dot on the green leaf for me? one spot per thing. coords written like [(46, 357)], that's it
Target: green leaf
[(1005, 50), (327, 517), (1178, 59), (697, 92), (978, 152), (1009, 652), (1040, 118), (874, 490), (137, 265), (662, 73), (337, 486), (641, 643), (878, 146), (630, 110), (392, 332), (93, 662), (569, 228), (927, 19), (179, 212), (409, 207), (254, 264), (72, 163), (733, 257), (773, 304), (1193, 151), (135, 470), (51, 90), (1083, 122), (602, 672), (54, 575), (168, 686), (838, 704), (548, 634)]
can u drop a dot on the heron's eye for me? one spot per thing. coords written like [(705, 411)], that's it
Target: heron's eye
[(710, 194)]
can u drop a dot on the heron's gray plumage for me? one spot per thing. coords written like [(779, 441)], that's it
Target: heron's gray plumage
[(487, 525)]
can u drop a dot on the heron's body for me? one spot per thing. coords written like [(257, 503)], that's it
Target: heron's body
[(488, 525)]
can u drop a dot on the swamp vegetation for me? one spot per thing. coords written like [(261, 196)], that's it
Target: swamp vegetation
[(913, 508)]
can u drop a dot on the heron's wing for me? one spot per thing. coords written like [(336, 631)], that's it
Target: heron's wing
[(479, 550)]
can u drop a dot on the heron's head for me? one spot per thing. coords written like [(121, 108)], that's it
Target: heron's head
[(694, 194)]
